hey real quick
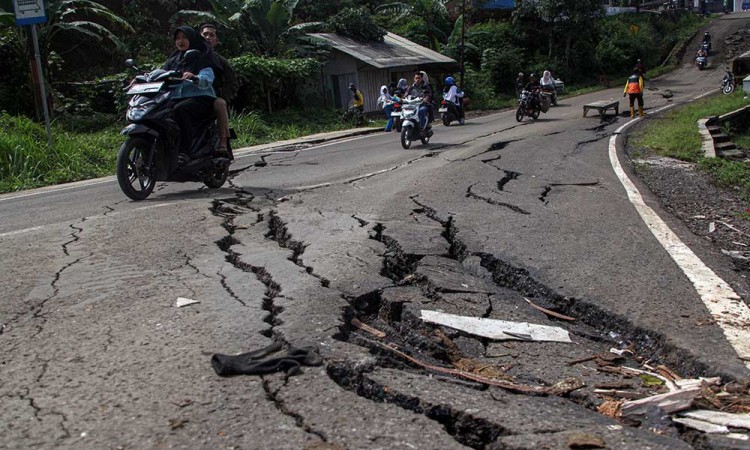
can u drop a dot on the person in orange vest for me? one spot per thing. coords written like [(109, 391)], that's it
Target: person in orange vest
[(634, 88)]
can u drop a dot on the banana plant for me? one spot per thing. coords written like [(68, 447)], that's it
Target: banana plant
[(81, 17), (268, 22), (427, 10)]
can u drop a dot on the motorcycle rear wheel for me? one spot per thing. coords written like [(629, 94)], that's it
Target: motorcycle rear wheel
[(425, 139), (216, 178), (519, 114), (446, 121), (728, 89), (135, 179), (535, 114), (405, 138)]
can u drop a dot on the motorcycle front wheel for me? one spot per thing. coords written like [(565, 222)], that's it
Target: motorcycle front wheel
[(728, 89), (519, 114), (135, 179), (405, 138)]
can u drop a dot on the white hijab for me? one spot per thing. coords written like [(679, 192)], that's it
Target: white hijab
[(547, 78)]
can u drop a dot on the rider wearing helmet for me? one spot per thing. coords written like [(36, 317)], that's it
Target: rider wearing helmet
[(533, 86), (454, 97)]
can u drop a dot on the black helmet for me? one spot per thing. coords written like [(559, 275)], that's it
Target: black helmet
[(533, 75)]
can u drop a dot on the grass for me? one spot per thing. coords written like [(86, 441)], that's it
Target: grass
[(27, 161), (675, 135)]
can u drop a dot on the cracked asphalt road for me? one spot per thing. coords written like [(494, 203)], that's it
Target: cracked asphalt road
[(95, 355)]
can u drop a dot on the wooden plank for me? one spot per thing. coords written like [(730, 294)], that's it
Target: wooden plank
[(497, 329), (720, 418), (669, 402)]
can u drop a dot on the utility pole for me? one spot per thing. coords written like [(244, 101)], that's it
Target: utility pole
[(463, 38)]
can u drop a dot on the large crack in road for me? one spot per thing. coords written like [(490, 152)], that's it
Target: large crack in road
[(446, 277)]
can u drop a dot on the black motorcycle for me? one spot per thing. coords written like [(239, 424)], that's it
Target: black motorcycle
[(527, 106), (150, 152), (727, 83), (448, 112)]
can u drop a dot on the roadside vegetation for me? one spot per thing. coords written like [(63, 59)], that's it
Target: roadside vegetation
[(278, 65), (675, 135)]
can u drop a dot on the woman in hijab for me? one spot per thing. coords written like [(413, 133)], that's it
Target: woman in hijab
[(193, 98), (401, 88), (387, 101), (548, 84)]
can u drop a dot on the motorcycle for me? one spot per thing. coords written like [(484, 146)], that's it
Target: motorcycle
[(150, 151), (448, 112), (701, 61), (551, 91), (396, 113), (706, 46), (410, 127), (727, 83), (526, 107)]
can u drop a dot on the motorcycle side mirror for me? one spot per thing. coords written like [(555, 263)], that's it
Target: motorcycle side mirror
[(130, 63)]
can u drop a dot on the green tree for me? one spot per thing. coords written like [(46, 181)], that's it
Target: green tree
[(431, 13), (77, 20), (563, 22), (357, 24), (268, 23)]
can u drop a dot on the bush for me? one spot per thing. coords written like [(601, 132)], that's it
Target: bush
[(355, 23), (501, 66), (276, 79)]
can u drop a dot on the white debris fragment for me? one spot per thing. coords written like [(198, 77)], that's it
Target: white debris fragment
[(720, 418), (497, 329), (697, 382), (711, 227), (182, 302), (700, 425), (670, 402)]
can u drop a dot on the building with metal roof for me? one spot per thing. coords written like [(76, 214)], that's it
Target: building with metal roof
[(369, 65)]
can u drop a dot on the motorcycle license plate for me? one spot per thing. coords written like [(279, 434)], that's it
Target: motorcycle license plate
[(442, 110), (145, 88), (395, 114)]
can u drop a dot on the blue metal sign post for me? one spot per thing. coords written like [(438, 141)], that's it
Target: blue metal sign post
[(30, 13)]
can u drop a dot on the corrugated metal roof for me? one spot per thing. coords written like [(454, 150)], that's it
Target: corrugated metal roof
[(395, 51)]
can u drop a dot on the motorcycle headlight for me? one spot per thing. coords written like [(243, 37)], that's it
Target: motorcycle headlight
[(135, 114)]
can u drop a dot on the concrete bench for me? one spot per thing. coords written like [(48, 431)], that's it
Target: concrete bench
[(602, 107)]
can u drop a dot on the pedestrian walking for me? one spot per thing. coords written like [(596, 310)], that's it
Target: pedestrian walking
[(634, 88)]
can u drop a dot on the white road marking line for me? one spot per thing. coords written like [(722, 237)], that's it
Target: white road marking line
[(271, 151), (705, 94), (53, 189), (726, 307), (91, 218)]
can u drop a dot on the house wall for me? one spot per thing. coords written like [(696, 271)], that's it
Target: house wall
[(341, 69)]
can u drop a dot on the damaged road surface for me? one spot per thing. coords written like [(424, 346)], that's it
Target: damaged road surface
[(353, 252)]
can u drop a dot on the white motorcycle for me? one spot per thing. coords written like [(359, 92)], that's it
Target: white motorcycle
[(410, 128)]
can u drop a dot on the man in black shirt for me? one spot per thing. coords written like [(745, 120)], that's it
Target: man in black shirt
[(225, 85)]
